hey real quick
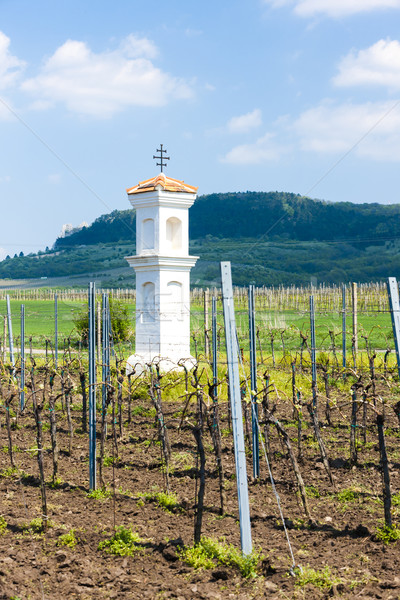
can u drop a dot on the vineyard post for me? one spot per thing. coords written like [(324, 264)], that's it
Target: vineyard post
[(394, 303), (236, 407), (344, 328), (253, 380), (313, 357), (105, 377), (10, 333), (98, 330), (206, 324), (5, 339), (56, 330), (214, 345), (92, 387), (355, 328), (22, 381)]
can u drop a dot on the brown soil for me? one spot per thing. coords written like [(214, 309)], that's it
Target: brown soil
[(35, 566)]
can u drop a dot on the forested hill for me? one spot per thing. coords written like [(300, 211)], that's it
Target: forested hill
[(270, 238), (255, 214)]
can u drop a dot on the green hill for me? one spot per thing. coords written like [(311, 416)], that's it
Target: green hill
[(271, 238)]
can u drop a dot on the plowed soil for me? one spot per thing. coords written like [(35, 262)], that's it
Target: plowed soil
[(340, 542)]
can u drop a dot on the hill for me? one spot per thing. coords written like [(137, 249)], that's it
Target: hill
[(271, 238)]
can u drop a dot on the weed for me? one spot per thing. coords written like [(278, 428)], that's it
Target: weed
[(68, 539), (99, 494), (168, 502), (108, 461), (312, 492), (3, 525), (57, 483), (123, 543), (15, 449), (387, 534), (322, 579), (396, 499), (347, 495), (9, 472), (36, 526), (202, 556)]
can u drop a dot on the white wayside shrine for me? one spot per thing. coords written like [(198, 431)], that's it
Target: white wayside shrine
[(162, 265)]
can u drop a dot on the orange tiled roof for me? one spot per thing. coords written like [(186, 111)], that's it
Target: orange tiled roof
[(162, 181)]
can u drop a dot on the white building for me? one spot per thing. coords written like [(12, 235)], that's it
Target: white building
[(162, 265)]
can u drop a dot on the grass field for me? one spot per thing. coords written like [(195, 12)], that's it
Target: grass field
[(278, 330)]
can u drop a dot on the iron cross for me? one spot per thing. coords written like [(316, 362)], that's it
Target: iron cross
[(161, 157)]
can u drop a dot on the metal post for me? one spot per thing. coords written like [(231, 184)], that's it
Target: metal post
[(92, 386), (22, 380), (214, 345), (206, 324), (313, 354), (253, 379), (394, 303), (344, 326), (355, 328), (10, 333), (5, 339), (99, 329), (56, 330), (105, 372), (236, 408)]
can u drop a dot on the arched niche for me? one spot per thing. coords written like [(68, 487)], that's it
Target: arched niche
[(174, 233), (148, 302), (175, 291), (147, 241)]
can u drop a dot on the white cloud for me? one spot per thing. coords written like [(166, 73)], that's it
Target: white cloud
[(245, 123), (263, 150), (373, 128), (105, 83), (377, 65), (334, 8), (3, 253), (11, 67)]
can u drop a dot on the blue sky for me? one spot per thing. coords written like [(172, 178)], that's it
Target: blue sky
[(291, 95)]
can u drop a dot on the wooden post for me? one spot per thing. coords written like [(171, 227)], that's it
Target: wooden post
[(355, 329)]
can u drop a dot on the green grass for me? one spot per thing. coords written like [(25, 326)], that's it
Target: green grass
[(209, 553), (123, 543)]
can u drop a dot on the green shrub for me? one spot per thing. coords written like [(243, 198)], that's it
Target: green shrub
[(120, 321)]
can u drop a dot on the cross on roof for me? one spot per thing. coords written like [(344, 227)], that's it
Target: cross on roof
[(161, 157)]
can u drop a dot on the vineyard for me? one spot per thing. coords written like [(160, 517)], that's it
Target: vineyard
[(162, 521)]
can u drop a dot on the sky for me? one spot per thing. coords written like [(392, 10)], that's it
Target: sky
[(298, 96)]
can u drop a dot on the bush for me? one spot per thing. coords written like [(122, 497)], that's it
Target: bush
[(120, 321)]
